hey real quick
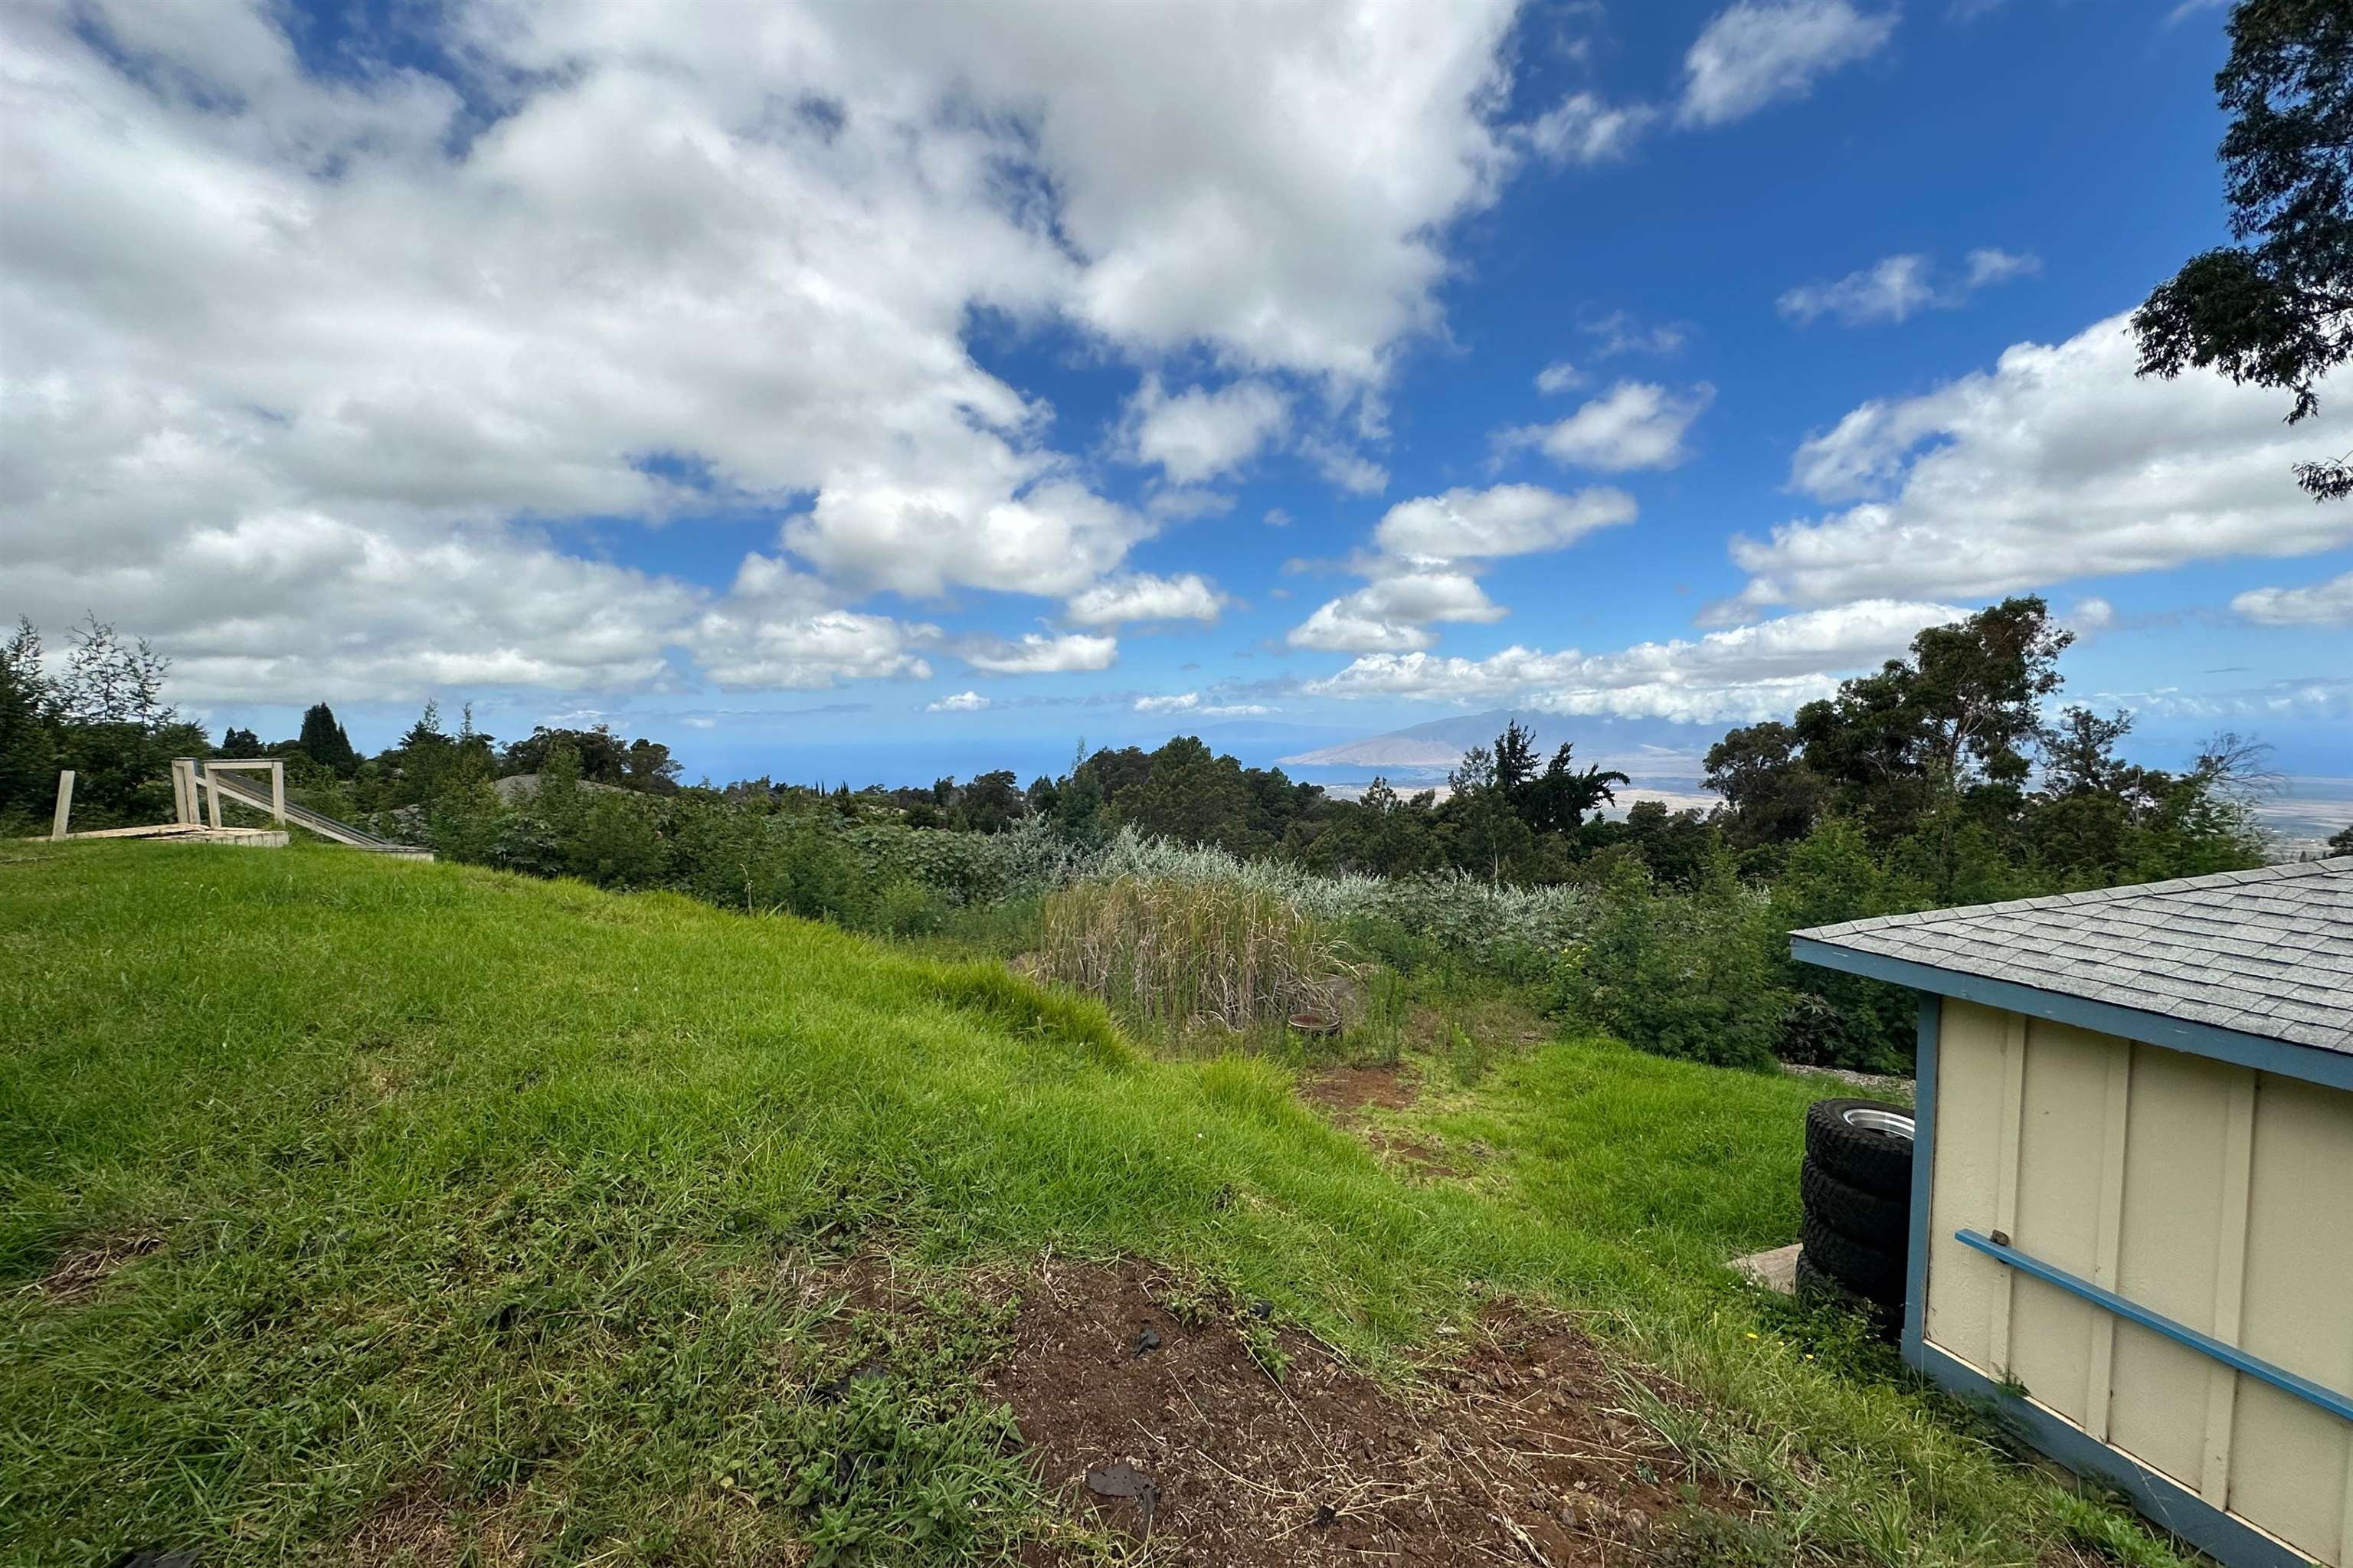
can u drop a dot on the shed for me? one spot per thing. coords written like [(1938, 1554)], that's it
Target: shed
[(2132, 1200)]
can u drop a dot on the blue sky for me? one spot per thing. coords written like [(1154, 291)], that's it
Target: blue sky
[(883, 391)]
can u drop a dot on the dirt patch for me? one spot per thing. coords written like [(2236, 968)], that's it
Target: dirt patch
[(1344, 1093), (1344, 1089), (1169, 1426), (1419, 1156), (77, 1276)]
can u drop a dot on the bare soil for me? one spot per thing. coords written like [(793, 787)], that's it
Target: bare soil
[(1341, 1090), (1173, 1431), (1344, 1093)]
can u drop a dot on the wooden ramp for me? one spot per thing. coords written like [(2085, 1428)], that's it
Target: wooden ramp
[(217, 780), (199, 784)]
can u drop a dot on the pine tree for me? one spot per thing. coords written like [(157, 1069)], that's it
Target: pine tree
[(322, 740)]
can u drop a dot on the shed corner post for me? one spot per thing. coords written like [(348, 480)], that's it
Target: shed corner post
[(65, 805), (1923, 1171)]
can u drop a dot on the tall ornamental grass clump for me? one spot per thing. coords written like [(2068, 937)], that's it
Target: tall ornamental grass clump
[(1492, 925), (1169, 953)]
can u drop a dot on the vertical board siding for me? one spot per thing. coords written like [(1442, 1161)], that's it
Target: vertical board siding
[(1967, 1148), (2290, 1462), (2005, 1200), (2210, 1193), (2116, 1107), (2230, 1281), (2165, 1260), (2063, 1109)]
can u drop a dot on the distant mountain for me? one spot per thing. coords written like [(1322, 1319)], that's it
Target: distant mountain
[(1256, 729), (1437, 743), (1655, 749)]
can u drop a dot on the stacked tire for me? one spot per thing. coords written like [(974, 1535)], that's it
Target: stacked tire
[(1856, 1183)]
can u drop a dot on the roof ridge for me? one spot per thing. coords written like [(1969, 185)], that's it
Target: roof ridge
[(2331, 866)]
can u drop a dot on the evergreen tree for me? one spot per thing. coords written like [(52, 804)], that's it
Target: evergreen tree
[(28, 726), (322, 740)]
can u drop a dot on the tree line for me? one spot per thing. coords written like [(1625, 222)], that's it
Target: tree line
[(1955, 774), (1955, 764)]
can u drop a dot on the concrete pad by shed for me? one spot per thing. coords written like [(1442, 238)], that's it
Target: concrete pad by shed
[(1775, 1270)]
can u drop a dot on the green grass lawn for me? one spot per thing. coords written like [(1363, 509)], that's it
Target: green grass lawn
[(467, 1189)]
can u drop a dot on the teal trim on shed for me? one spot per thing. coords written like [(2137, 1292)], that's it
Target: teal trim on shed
[(2280, 1378), (1923, 1173), (2160, 1498)]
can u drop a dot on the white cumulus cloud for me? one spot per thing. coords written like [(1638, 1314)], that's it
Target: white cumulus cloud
[(2057, 464), (1417, 572), (775, 628), (1502, 520), (1754, 53), (2090, 614), (1141, 596), (1198, 434), (962, 703), (1889, 291), (1559, 376), (1897, 287), (1039, 654), (1584, 128), (1391, 611), (1634, 425), (700, 256), (1748, 672), (2322, 604), (1191, 703)]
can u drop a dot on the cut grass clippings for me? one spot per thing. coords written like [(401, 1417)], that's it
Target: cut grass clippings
[(480, 1199)]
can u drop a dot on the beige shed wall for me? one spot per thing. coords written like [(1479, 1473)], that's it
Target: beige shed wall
[(2217, 1195)]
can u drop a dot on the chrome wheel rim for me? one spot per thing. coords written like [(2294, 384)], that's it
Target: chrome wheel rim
[(1895, 1124)]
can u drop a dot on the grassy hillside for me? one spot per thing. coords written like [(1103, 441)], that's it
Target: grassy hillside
[(330, 1184)]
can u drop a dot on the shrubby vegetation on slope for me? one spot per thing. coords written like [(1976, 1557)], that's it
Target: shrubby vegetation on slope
[(1952, 776)]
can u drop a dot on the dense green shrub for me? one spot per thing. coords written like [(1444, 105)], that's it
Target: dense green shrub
[(1679, 973)]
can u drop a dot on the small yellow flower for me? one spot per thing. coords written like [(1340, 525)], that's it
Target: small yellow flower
[(1752, 1335)]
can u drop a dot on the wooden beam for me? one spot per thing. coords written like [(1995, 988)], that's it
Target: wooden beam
[(65, 806), (278, 791), (212, 802)]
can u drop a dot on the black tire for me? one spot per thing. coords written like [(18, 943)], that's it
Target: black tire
[(1858, 1215), (1864, 1157), (1816, 1289), (1870, 1273)]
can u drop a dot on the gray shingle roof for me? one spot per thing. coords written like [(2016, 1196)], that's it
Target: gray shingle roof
[(2267, 952)]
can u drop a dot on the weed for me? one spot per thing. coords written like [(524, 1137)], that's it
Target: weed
[(1265, 1348)]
